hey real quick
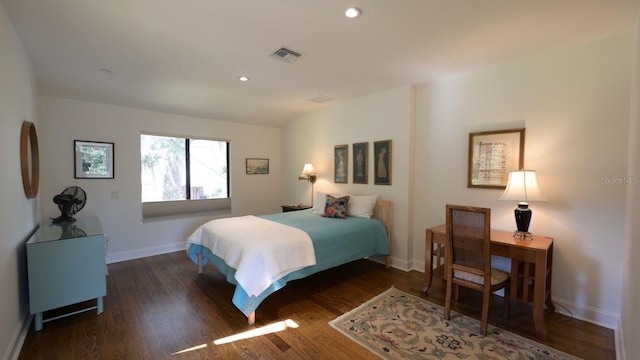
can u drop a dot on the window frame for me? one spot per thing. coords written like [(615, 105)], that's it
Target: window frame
[(172, 208)]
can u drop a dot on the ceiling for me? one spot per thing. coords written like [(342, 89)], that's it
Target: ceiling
[(185, 56)]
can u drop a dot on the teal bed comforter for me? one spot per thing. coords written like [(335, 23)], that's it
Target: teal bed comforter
[(335, 242)]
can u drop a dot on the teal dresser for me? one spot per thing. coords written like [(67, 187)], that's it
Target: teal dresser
[(66, 265)]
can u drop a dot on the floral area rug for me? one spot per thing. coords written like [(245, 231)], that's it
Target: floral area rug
[(397, 325)]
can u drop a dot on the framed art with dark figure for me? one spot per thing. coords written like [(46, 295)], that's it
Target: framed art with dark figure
[(360, 163), (382, 162), (93, 159), (341, 160)]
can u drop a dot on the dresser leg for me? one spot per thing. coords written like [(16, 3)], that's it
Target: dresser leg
[(100, 306), (38, 321)]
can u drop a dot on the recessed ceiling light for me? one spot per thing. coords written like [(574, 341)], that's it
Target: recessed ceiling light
[(243, 78), (352, 12)]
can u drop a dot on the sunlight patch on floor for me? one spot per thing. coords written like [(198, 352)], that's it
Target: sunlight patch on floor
[(267, 329)]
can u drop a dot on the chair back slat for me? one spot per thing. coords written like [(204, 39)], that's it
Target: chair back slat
[(469, 231), (468, 258)]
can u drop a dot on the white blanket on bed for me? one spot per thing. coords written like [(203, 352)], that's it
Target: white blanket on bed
[(261, 251)]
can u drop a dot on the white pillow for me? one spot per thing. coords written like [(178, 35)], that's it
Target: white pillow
[(321, 200), (362, 205)]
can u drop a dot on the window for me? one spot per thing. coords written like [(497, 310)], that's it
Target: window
[(175, 169)]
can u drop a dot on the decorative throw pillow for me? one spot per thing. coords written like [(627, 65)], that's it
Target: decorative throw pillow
[(336, 207), (320, 201)]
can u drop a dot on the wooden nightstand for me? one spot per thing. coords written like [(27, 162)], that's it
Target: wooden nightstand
[(294, 207)]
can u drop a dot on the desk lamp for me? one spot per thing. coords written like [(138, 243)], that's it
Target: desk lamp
[(308, 173), (522, 187)]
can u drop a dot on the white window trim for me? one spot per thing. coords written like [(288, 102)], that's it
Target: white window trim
[(158, 209), (174, 208)]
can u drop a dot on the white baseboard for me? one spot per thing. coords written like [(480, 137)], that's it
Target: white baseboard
[(15, 346), (565, 307), (587, 313), (17, 340), (400, 264), (418, 266), (382, 260), (142, 253)]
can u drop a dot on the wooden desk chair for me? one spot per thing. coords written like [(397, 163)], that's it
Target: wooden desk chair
[(468, 258)]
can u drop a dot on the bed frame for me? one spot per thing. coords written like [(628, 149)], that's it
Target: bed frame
[(382, 212)]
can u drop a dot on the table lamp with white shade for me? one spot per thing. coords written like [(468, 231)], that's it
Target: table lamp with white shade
[(522, 187)]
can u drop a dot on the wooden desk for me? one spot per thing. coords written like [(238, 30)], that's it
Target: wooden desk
[(531, 262)]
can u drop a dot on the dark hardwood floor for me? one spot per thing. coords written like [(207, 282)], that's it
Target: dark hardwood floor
[(160, 308)]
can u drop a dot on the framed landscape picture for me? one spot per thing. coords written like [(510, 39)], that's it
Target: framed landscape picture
[(360, 163), (492, 154), (341, 160), (382, 162), (93, 160), (256, 166)]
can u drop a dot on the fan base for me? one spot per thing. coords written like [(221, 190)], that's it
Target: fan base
[(63, 219)]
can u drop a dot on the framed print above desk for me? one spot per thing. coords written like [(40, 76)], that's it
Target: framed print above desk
[(492, 154)]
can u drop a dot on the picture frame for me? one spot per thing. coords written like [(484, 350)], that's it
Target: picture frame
[(492, 154), (382, 162), (361, 163), (257, 166), (93, 159), (341, 162)]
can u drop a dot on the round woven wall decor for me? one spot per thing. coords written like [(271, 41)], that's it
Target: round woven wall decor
[(29, 146)]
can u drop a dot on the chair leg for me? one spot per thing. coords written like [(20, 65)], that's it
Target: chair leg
[(447, 299), (507, 301), (486, 298)]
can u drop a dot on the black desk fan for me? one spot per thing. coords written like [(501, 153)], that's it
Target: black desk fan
[(69, 201)]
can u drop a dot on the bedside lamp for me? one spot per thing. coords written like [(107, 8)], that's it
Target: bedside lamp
[(522, 187), (308, 173)]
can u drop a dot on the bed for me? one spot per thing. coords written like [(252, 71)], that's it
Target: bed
[(260, 254)]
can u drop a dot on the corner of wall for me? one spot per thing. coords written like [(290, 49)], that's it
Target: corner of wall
[(13, 352), (629, 314)]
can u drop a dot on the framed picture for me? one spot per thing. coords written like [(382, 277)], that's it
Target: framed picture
[(256, 166), (492, 154), (382, 162), (93, 159), (341, 160), (360, 163)]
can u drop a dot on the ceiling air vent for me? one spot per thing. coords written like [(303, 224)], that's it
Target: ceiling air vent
[(286, 55)]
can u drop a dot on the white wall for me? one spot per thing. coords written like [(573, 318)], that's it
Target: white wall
[(65, 120), (574, 104), (630, 314), (387, 115), (18, 215)]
